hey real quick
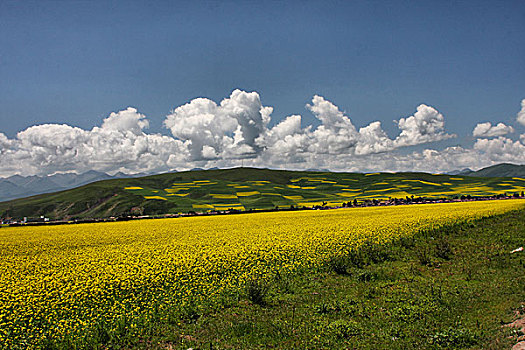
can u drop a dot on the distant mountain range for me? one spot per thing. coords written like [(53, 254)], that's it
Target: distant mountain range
[(17, 186), (460, 172)]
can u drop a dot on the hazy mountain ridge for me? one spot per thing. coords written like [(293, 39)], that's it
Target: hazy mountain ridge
[(18, 186), (464, 171)]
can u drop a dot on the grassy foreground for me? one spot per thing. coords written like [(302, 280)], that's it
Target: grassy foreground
[(437, 290)]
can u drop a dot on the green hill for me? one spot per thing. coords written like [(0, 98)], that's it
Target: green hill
[(244, 189), (503, 169)]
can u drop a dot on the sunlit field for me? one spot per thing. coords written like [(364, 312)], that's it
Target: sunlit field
[(79, 284)]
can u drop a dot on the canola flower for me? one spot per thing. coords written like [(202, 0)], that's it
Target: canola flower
[(223, 196), (67, 282), (293, 186), (157, 197), (247, 194)]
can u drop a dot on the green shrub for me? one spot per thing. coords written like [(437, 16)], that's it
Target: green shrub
[(376, 253), (443, 249), (423, 255), (190, 312), (339, 265), (326, 308), (344, 329), (367, 276), (257, 291), (454, 338)]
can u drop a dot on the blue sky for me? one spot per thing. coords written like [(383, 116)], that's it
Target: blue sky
[(76, 62)]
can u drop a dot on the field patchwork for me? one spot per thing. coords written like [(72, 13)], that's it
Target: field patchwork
[(334, 188)]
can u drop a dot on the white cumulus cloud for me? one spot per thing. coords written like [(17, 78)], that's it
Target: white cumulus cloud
[(489, 130), (336, 134), (426, 125), (373, 139), (521, 114), (128, 120), (225, 130)]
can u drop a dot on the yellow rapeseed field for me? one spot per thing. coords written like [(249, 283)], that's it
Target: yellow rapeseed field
[(68, 282)]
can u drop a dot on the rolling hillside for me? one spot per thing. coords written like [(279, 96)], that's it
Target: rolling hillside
[(244, 189), (501, 170)]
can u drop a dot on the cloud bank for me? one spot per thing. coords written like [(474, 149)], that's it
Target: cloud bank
[(237, 131), (119, 144)]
